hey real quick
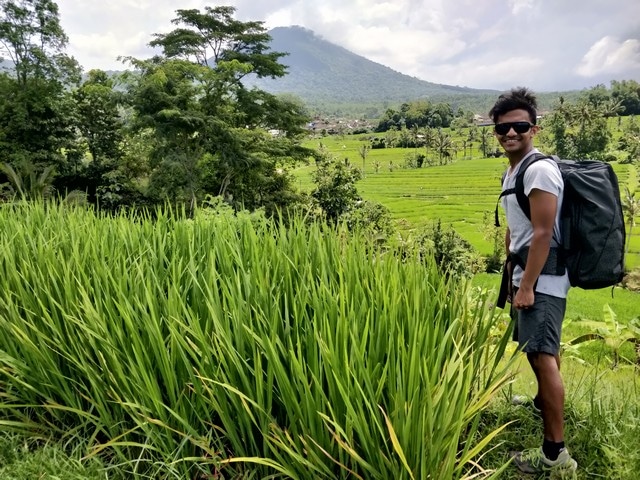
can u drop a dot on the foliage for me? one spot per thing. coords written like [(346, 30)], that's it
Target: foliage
[(33, 39), (602, 416), (212, 135), (35, 110), (36, 122), (631, 210), (419, 113), (630, 140), (370, 218), (363, 151), (99, 119), (335, 191), (94, 160), (414, 159), (453, 255), (627, 92), (215, 39), (27, 458), (613, 333), (443, 145), (578, 131), (495, 235), (221, 345), (26, 183)]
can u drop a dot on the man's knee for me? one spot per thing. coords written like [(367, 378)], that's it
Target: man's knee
[(540, 360)]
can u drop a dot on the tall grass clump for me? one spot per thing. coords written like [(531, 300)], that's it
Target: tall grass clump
[(230, 345)]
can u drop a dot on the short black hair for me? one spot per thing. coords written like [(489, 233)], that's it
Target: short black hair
[(517, 98)]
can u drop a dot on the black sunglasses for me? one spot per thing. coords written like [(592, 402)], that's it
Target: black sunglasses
[(518, 127)]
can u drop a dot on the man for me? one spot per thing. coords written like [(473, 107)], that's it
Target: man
[(538, 299)]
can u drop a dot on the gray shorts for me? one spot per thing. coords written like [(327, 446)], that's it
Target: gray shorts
[(538, 329)]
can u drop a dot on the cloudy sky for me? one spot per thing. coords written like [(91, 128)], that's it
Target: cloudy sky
[(544, 44)]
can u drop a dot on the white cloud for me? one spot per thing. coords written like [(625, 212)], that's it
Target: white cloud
[(611, 56), (491, 44), (521, 6), (505, 73), (98, 50)]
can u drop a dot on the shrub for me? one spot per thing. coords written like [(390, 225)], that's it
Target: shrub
[(453, 254)]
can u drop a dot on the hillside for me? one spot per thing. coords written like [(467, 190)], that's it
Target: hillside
[(320, 71)]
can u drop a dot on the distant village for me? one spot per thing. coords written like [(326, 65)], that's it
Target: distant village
[(326, 126)]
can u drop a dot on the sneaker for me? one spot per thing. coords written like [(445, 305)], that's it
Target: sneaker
[(526, 401), (533, 460)]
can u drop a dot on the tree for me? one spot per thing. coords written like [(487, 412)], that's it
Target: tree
[(631, 208), (592, 135), (485, 136), (335, 191), (214, 136), (214, 38), (630, 140), (556, 125), (35, 109), (33, 39), (627, 92), (580, 130), (166, 100), (99, 120), (100, 135), (363, 151), (443, 145)]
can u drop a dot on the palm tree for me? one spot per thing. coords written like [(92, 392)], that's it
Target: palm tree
[(443, 145), (485, 136), (363, 151), (612, 108), (631, 209)]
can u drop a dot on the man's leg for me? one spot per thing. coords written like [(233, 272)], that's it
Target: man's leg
[(550, 394), (537, 400), (540, 332)]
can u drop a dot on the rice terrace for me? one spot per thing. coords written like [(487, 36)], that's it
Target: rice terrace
[(199, 281)]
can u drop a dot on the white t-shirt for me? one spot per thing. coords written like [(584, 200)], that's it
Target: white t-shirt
[(543, 175)]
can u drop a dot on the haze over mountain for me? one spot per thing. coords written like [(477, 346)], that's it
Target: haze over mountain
[(320, 71)]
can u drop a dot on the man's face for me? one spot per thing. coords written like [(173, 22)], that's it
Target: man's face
[(512, 142)]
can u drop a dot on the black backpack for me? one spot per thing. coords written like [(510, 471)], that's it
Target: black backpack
[(591, 221)]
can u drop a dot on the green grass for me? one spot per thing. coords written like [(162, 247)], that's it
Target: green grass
[(24, 458), (602, 420), (179, 348)]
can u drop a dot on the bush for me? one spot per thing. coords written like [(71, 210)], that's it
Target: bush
[(414, 160), (453, 254), (372, 218)]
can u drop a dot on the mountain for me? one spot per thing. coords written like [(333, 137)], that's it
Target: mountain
[(320, 71)]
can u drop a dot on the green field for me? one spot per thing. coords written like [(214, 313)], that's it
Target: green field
[(462, 194)]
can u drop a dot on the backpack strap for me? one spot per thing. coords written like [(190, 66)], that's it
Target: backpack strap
[(523, 200), (518, 190)]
